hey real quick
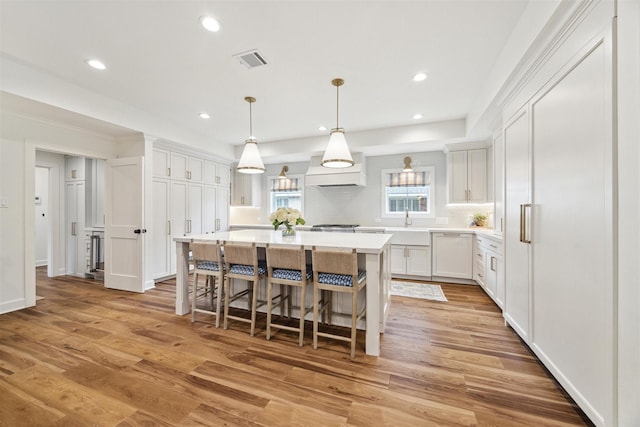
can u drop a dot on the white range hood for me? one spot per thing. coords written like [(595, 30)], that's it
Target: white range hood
[(319, 176)]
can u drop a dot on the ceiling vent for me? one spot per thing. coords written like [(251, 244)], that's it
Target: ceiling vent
[(251, 58)]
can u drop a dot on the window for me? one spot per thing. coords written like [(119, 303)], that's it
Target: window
[(285, 192), (408, 191)]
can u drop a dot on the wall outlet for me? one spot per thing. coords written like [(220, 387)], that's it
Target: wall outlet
[(4, 202)]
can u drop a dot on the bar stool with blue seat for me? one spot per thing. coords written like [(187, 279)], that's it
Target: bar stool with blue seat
[(336, 270), (287, 267), (241, 260), (207, 261)]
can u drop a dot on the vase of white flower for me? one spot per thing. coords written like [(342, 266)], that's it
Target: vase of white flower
[(288, 217)]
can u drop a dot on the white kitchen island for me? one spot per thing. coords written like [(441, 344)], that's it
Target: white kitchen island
[(375, 248)]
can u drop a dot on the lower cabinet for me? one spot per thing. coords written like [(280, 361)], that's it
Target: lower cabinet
[(488, 267), (407, 260), (452, 254)]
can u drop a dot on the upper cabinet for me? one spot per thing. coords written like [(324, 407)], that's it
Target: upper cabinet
[(216, 174), (74, 168), (467, 176), (245, 189)]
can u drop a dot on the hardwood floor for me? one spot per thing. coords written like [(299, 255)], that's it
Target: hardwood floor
[(89, 356)]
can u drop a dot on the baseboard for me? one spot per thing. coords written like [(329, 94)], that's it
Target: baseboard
[(14, 305)]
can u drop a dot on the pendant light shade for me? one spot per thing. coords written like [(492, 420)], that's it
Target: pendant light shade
[(337, 154), (250, 160)]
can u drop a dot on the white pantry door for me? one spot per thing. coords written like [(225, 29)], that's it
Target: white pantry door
[(124, 227)]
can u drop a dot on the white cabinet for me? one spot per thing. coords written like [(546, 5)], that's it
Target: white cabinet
[(74, 168), (76, 242), (452, 254), (245, 189), (498, 183), (216, 174), (410, 261), (487, 267), (94, 171), (559, 239), (160, 231), (161, 163), (216, 209), (467, 176), (190, 196)]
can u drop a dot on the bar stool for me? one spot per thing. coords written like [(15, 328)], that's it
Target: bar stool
[(336, 270), (287, 267), (241, 260), (207, 260)]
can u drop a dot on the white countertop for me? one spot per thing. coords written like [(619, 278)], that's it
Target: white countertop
[(487, 232), (364, 243)]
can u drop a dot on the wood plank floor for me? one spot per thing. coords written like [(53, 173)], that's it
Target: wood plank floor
[(88, 356)]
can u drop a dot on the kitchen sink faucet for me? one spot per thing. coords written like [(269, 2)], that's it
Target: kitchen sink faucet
[(407, 220)]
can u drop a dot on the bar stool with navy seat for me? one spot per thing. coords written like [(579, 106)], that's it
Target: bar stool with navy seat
[(336, 270), (207, 261), (287, 267), (241, 260)]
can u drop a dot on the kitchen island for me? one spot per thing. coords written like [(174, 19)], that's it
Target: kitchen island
[(374, 248)]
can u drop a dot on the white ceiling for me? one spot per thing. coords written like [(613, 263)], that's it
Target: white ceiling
[(161, 61)]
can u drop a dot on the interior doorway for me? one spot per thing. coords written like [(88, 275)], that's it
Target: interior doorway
[(42, 214)]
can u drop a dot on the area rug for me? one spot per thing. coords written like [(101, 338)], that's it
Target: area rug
[(417, 290)]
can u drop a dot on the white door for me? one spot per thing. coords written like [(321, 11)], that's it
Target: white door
[(124, 226), (160, 232), (517, 197)]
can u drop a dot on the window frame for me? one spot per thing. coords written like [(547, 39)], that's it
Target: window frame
[(300, 179), (430, 170)]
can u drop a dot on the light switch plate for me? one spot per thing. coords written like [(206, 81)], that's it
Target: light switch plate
[(4, 202)]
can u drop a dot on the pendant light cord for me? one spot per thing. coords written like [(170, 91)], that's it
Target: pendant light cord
[(337, 105), (250, 121)]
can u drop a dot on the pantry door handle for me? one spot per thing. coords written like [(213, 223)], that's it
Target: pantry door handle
[(524, 222)]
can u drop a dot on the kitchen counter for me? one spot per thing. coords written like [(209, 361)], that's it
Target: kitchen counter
[(374, 247)]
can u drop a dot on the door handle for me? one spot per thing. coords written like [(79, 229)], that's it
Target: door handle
[(524, 223), (140, 230)]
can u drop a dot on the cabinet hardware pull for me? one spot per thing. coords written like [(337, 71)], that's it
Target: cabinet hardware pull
[(217, 224), (524, 223), (73, 229), (168, 171), (492, 266), (169, 228)]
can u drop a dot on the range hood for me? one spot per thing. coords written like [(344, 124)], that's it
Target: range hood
[(319, 176)]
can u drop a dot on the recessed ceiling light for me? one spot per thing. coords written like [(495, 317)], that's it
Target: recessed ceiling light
[(419, 77), (210, 24), (204, 116), (97, 64), (417, 116), (322, 128)]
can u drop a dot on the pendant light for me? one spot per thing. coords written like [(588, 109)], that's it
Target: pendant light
[(337, 154), (250, 161)]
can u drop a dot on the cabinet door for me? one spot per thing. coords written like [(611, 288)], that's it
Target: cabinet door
[(491, 269), (195, 171), (398, 259), (222, 208), (498, 184), (74, 168), (452, 255), (457, 176), (195, 210), (179, 166), (477, 176), (210, 199), (98, 194), (161, 163), (419, 260), (210, 172), (223, 173), (517, 167), (160, 231), (75, 213)]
